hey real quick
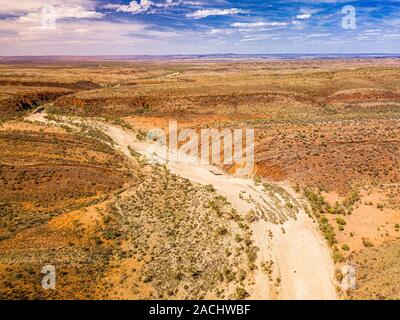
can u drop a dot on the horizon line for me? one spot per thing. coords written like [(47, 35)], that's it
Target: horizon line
[(197, 54)]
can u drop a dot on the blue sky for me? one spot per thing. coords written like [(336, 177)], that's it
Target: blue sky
[(123, 27)]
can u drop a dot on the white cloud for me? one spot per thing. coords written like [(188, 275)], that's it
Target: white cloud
[(219, 31), (167, 3), (256, 38), (306, 13), (140, 6), (30, 6), (391, 36), (83, 37), (199, 14), (304, 16), (31, 10), (133, 7), (249, 30), (373, 31), (77, 12), (317, 35), (64, 12), (192, 3), (258, 24), (78, 28)]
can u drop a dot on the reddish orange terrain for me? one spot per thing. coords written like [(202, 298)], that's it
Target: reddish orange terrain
[(329, 129)]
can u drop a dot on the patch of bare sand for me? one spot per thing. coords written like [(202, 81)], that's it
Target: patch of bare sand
[(366, 221)]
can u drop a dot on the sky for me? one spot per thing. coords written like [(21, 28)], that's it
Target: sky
[(161, 27)]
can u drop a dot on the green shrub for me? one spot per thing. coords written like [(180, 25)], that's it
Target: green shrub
[(367, 243), (337, 256), (240, 294), (251, 216), (345, 247), (210, 188), (340, 221)]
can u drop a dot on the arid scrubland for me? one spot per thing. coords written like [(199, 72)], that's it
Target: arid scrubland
[(120, 228)]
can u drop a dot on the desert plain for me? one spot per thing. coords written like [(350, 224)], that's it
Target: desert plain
[(79, 194)]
